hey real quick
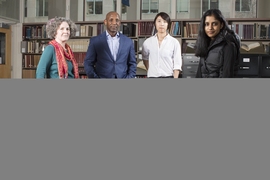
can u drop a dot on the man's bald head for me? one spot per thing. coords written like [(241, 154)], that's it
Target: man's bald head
[(109, 14), (112, 22)]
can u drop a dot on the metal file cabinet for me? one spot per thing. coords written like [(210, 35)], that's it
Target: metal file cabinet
[(254, 66), (248, 66), (265, 66), (190, 65)]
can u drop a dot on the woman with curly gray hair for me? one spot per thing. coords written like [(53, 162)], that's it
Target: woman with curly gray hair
[(57, 59)]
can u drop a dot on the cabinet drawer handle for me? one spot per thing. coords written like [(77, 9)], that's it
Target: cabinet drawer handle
[(244, 67), (194, 61)]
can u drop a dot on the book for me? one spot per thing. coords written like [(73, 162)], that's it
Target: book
[(188, 47), (24, 45), (191, 45), (176, 28), (78, 32), (28, 32), (193, 29), (248, 47), (268, 34), (263, 31)]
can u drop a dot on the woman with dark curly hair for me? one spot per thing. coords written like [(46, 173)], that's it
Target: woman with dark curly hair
[(57, 60), (217, 46)]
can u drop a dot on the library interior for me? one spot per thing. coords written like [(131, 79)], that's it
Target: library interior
[(23, 34)]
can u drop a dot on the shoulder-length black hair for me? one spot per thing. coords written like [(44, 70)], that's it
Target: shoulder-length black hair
[(165, 17), (203, 40)]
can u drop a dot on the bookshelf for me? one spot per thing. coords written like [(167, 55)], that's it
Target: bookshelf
[(254, 63), (185, 30)]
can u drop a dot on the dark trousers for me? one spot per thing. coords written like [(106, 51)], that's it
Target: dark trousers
[(162, 77)]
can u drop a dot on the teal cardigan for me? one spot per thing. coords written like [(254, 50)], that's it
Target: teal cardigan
[(47, 66)]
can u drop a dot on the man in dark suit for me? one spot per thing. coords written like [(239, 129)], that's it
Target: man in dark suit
[(110, 54)]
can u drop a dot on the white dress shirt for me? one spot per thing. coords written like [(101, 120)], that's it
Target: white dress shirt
[(113, 43), (162, 59)]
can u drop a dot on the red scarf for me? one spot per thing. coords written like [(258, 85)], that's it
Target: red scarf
[(61, 57)]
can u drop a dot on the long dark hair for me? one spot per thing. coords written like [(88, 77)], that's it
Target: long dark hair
[(203, 40), (165, 17)]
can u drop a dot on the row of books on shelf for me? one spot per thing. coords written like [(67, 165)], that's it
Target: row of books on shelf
[(130, 29), (84, 30), (39, 31), (252, 31), (79, 56), (191, 29), (146, 28), (78, 45), (35, 32), (245, 31), (175, 28), (33, 46), (87, 30), (30, 60)]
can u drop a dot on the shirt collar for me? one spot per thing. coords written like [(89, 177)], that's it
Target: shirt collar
[(165, 36), (108, 35)]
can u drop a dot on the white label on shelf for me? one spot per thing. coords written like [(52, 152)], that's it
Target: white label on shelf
[(246, 59)]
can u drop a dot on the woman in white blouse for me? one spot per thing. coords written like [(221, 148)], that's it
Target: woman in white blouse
[(161, 53)]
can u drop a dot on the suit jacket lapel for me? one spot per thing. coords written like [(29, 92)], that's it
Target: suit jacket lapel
[(120, 45), (104, 41)]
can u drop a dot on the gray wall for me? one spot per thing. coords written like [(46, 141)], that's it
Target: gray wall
[(74, 10), (263, 9), (10, 9), (56, 8)]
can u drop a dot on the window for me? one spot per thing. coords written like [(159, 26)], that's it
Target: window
[(209, 4), (93, 6), (244, 5), (124, 8), (25, 8), (150, 6), (10, 9), (42, 8), (182, 5)]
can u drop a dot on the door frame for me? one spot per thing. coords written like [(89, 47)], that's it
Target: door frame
[(5, 69)]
